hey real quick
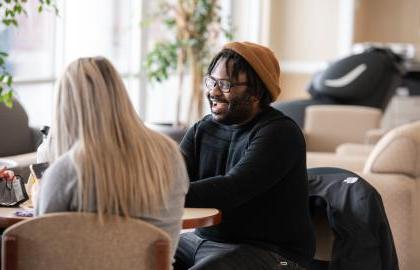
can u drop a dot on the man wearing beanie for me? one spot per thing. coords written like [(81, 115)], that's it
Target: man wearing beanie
[(248, 160)]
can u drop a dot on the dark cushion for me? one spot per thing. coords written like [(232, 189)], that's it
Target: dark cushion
[(15, 134)]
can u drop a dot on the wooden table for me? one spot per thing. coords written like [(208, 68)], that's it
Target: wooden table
[(200, 217), (192, 218), (8, 217)]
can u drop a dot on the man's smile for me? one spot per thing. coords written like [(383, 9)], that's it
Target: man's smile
[(218, 105)]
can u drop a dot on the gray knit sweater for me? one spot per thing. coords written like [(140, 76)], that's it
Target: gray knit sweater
[(58, 193)]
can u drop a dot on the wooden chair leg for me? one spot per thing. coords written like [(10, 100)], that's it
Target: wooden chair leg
[(162, 260), (9, 253)]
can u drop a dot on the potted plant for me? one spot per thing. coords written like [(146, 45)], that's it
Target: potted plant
[(197, 27), (9, 11)]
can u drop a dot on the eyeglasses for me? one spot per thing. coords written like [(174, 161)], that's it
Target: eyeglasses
[(224, 85)]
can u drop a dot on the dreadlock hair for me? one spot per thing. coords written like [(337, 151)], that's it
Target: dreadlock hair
[(256, 86)]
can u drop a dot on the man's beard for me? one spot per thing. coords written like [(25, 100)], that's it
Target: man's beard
[(239, 109)]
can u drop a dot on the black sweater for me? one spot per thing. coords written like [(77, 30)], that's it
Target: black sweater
[(256, 175)]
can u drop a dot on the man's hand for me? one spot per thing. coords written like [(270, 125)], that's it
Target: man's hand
[(6, 174)]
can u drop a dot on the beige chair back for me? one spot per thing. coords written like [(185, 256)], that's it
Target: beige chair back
[(80, 241), (398, 152), (327, 126)]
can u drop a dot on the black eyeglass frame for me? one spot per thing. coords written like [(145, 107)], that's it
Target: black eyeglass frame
[(220, 83)]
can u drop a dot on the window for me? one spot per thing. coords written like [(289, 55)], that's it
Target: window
[(30, 45), (43, 44)]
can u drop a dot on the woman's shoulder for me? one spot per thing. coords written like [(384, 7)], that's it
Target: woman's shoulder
[(63, 166), (174, 158)]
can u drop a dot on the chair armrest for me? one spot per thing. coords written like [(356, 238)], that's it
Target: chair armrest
[(351, 163), (374, 135), (354, 149), (399, 194), (327, 126)]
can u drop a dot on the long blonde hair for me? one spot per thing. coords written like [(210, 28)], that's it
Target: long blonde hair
[(121, 164)]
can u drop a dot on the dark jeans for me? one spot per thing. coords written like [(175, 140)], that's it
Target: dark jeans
[(195, 253)]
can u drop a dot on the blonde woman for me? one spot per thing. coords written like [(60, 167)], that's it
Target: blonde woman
[(103, 157)]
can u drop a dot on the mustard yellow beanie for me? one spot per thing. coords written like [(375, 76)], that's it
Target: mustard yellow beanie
[(263, 61)]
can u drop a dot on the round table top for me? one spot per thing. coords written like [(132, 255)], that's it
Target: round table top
[(8, 216), (9, 212), (192, 218), (200, 217)]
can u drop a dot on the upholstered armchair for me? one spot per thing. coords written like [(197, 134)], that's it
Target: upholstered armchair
[(392, 167), (18, 141)]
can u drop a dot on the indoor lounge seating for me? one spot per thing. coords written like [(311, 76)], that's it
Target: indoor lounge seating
[(366, 79), (18, 141), (328, 126), (393, 168)]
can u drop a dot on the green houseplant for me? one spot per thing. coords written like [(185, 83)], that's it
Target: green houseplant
[(10, 10), (197, 27)]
